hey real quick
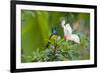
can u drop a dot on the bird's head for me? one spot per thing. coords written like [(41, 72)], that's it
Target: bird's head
[(54, 31)]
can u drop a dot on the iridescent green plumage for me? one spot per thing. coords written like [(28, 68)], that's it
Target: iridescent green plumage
[(53, 36)]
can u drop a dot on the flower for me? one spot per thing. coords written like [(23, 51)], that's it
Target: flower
[(68, 33)]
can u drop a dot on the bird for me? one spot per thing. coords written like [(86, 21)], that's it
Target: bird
[(53, 36)]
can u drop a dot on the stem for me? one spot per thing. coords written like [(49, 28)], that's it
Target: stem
[(55, 48)]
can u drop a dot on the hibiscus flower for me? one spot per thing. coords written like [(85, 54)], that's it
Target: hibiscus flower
[(68, 33)]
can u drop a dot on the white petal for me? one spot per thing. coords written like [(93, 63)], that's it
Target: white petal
[(69, 29), (65, 31), (75, 38), (62, 23)]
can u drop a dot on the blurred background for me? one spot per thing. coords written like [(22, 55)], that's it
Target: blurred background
[(36, 28)]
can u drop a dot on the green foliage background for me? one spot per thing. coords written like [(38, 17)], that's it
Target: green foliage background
[(36, 29)]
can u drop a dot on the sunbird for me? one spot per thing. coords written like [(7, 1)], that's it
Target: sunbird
[(53, 36)]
